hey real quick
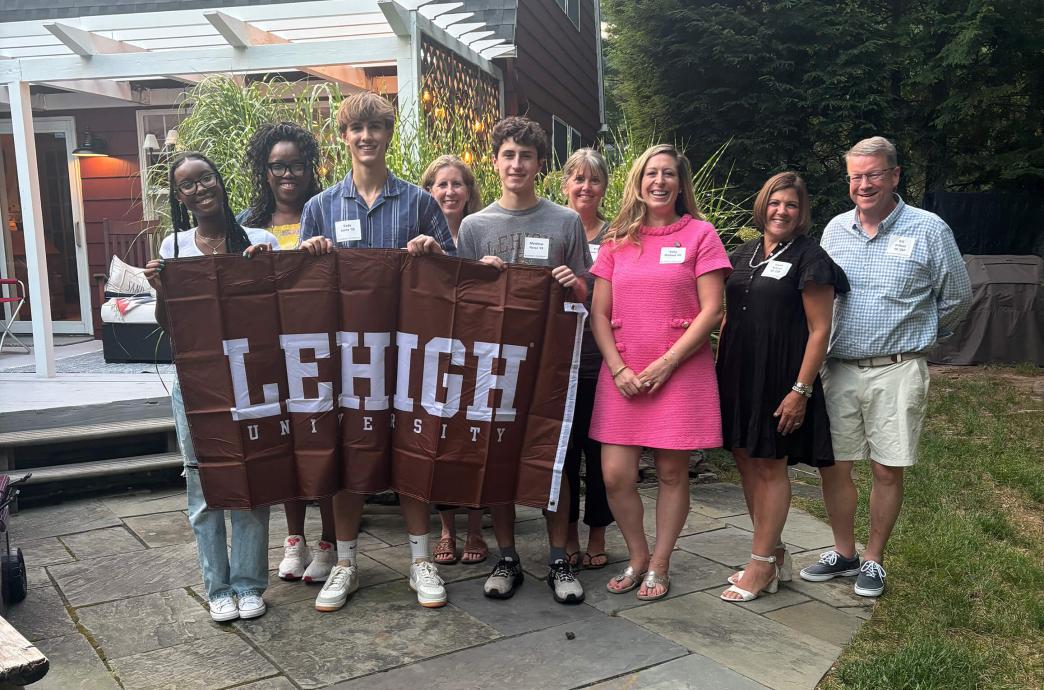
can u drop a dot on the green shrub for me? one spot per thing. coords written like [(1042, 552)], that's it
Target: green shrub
[(223, 115)]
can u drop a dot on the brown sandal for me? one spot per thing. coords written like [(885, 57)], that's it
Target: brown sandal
[(474, 553), (446, 551)]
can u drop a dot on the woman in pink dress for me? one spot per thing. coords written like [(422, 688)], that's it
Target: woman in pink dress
[(660, 277)]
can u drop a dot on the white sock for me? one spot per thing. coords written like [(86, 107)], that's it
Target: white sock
[(419, 547), (346, 551)]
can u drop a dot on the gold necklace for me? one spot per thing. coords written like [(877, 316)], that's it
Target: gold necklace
[(213, 248)]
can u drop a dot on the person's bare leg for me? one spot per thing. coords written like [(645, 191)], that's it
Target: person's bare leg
[(326, 513), (747, 480), (475, 543), (672, 506), (886, 499), (558, 521), (840, 497), (448, 518), (295, 517), (348, 510), (573, 538), (620, 471), (417, 515), (750, 482), (773, 503), (504, 525)]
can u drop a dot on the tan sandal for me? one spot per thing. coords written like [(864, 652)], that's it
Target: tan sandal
[(653, 579), (627, 574), (474, 553), (445, 551)]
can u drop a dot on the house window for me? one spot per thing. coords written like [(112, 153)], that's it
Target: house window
[(158, 123), (572, 10), (565, 140)]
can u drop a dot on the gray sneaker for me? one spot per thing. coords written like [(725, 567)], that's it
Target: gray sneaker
[(504, 580), (870, 582), (567, 589), (831, 564)]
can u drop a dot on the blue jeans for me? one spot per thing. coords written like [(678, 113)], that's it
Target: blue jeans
[(246, 571)]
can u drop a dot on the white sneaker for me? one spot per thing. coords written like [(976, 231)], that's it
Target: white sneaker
[(425, 581), (324, 558), (296, 557), (341, 583), (251, 606), (223, 609)]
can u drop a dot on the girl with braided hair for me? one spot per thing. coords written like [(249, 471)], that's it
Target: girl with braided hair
[(283, 159), (203, 225)]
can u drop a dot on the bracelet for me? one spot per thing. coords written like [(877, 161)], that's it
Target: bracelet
[(802, 389), (619, 371)]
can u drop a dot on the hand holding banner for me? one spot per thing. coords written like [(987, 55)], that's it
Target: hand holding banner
[(365, 370)]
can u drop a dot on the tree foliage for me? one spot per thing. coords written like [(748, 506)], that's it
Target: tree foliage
[(791, 84)]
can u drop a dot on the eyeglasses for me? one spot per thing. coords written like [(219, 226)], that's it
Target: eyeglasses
[(190, 187), (279, 169), (873, 176)]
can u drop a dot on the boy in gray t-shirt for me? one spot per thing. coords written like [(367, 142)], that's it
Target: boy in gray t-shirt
[(543, 235), (521, 228)]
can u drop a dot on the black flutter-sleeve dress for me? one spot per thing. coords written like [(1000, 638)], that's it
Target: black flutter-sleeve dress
[(761, 348)]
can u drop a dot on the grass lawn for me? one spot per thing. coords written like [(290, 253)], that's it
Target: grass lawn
[(964, 606)]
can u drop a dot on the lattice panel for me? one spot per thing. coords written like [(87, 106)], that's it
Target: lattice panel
[(459, 99)]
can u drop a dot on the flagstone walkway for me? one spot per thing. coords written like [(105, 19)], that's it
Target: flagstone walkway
[(115, 600)]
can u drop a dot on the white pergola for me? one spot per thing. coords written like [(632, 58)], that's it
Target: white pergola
[(100, 55)]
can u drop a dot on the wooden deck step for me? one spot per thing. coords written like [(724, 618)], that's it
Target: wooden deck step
[(99, 468), (86, 432)]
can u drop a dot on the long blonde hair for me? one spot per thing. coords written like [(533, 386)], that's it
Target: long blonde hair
[(628, 222)]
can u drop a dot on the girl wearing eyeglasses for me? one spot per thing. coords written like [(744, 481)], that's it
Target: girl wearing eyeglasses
[(283, 159), (234, 584)]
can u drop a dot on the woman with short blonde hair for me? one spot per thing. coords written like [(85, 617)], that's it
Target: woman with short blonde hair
[(585, 177), (452, 183)]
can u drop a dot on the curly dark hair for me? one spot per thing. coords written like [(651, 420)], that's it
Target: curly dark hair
[(522, 131), (236, 239), (262, 200)]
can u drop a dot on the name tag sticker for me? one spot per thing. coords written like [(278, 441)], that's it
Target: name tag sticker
[(672, 255), (900, 246), (348, 230), (594, 251), (536, 248), (776, 269)]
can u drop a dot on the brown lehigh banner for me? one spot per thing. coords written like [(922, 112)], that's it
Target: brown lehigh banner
[(366, 370)]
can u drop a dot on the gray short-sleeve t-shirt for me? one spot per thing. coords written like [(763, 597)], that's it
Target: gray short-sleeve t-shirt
[(544, 235)]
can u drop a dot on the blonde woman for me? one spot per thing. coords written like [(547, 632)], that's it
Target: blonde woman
[(451, 182), (660, 278), (584, 179)]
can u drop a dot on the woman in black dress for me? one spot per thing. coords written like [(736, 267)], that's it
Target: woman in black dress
[(779, 302)]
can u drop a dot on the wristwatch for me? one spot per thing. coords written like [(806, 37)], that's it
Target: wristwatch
[(802, 389)]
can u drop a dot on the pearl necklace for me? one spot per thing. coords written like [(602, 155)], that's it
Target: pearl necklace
[(213, 248), (773, 255)]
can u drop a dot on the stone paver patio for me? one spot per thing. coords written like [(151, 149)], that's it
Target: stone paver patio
[(115, 601)]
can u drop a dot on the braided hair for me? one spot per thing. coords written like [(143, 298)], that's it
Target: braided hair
[(236, 239), (262, 200)]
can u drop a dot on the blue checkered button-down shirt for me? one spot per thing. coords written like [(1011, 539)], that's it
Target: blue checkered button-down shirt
[(399, 213), (909, 284)]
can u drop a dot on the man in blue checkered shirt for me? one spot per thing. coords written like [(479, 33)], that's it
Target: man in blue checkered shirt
[(909, 289)]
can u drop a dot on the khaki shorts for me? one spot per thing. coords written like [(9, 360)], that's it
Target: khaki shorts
[(876, 412)]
